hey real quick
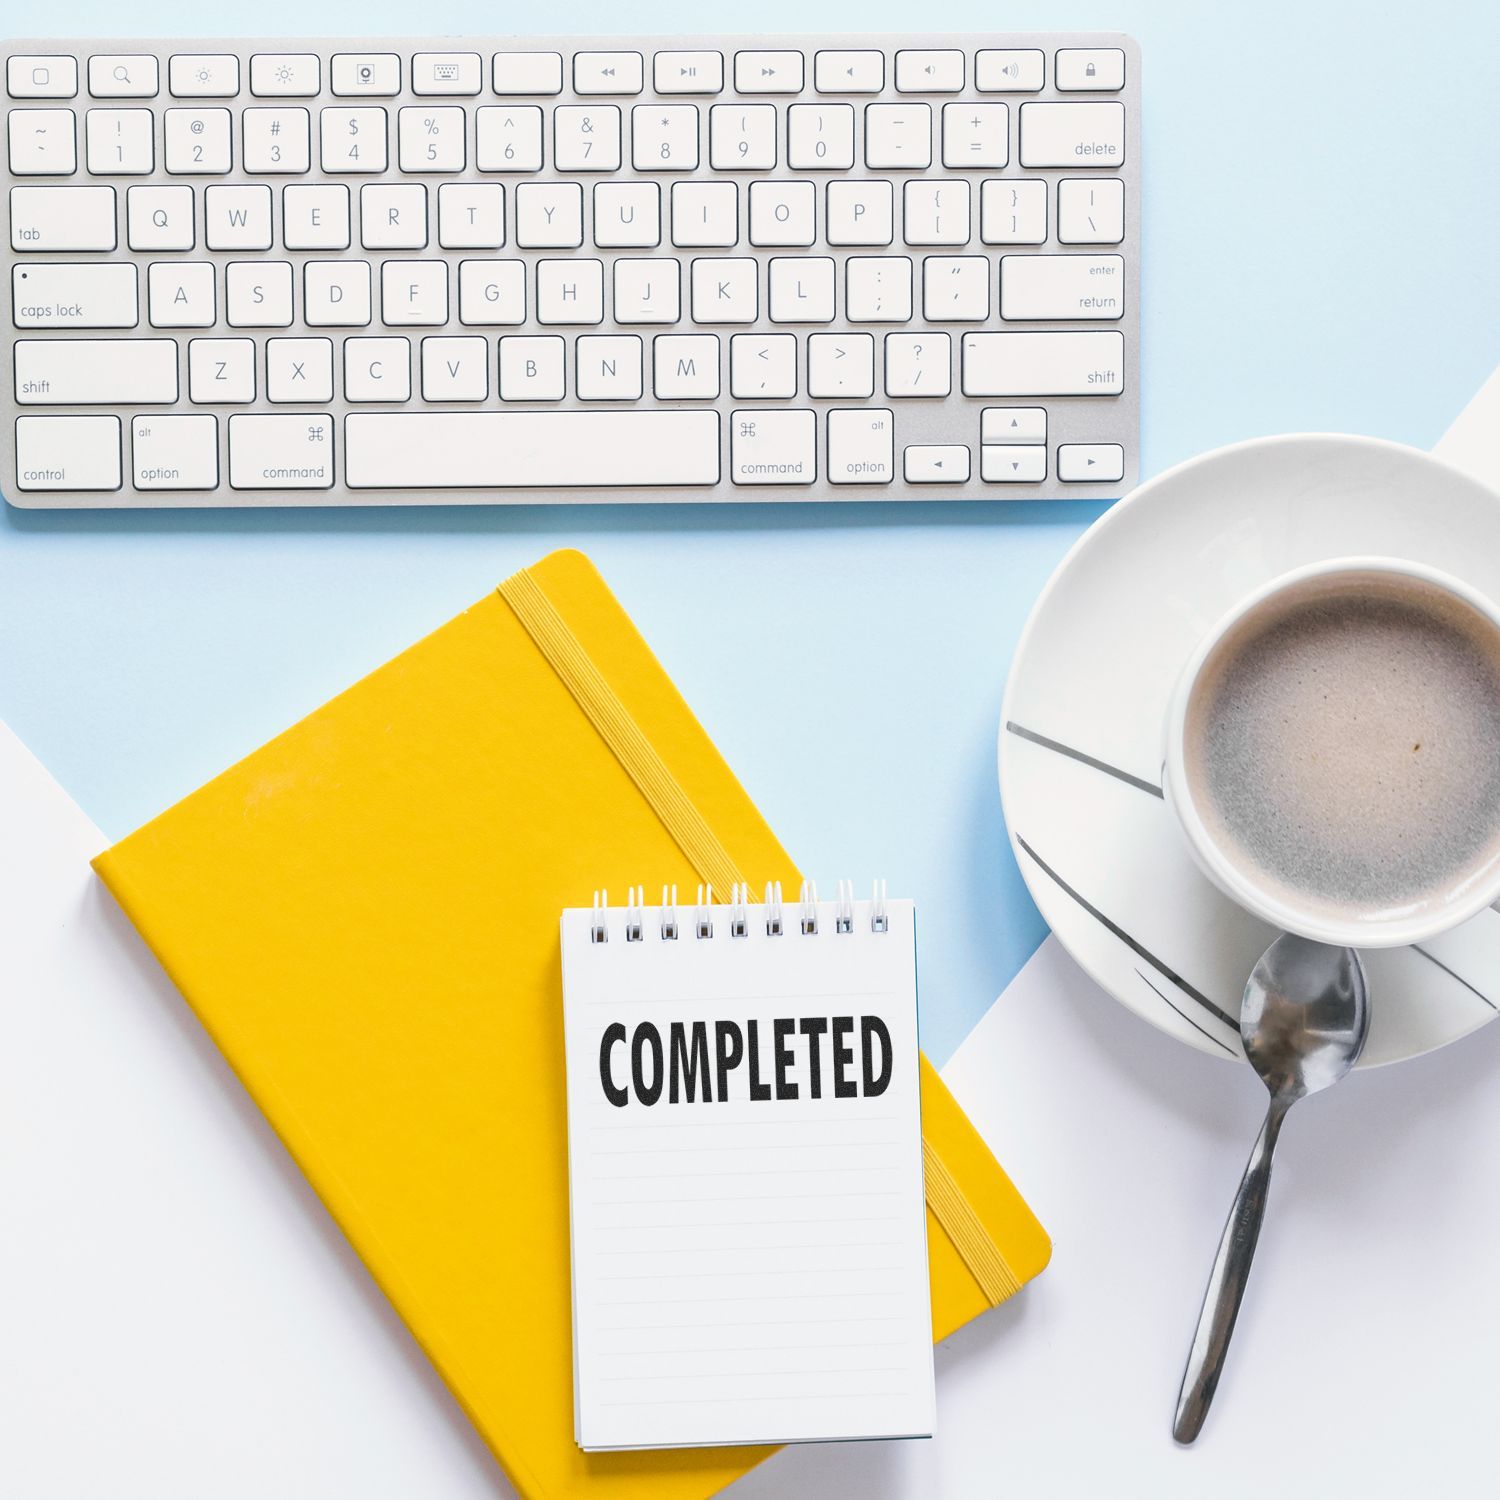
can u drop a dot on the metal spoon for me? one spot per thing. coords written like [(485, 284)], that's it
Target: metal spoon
[(1303, 1022)]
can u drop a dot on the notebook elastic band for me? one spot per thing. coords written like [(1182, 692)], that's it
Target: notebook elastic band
[(965, 1228)]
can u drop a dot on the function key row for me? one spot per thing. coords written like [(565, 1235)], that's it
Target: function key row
[(294, 75)]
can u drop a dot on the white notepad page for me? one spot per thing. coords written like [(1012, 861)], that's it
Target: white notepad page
[(746, 1269)]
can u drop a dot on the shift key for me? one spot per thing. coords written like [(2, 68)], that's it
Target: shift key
[(281, 452), (96, 372), (1044, 364)]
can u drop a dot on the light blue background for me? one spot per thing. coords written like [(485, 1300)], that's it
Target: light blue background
[(1321, 226)]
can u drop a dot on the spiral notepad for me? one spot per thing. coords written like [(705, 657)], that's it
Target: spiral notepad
[(745, 1161)]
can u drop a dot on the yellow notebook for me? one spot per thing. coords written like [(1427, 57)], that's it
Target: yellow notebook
[(364, 915)]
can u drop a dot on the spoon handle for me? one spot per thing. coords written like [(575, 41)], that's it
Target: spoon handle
[(1226, 1283)]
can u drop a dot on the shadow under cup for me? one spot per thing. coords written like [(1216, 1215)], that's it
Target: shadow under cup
[(1334, 752)]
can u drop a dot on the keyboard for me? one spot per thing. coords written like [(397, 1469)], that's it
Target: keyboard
[(530, 269)]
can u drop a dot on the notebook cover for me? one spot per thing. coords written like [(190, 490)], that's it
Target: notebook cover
[(363, 914)]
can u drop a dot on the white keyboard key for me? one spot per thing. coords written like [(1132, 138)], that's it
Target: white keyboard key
[(393, 216), (197, 141), (377, 369), (45, 77), (1092, 463), (204, 75), (258, 294), (431, 138), (95, 372), (688, 72), (861, 72), (74, 296), (861, 446), (281, 452), (471, 216), (1090, 211), (820, 137), (998, 465), (607, 72), (936, 463), (1072, 135), (976, 135), (532, 368), (859, 213), (159, 218), (627, 214), (42, 142), (768, 72), (1009, 70), (664, 137), (508, 138), (277, 141), (438, 73), (120, 142), (414, 293), (763, 366), (928, 72), (237, 218), (1013, 424), (773, 447), (491, 292), (1044, 364), (180, 294), (285, 75), (315, 216), (935, 212), (898, 135), (549, 215), (802, 288), (877, 289), (1089, 70), (1038, 288), (352, 140), (586, 138), (685, 366), (62, 218), (570, 291), (221, 372), (175, 452), (918, 364), (742, 137), (455, 369), (528, 73), (1013, 213), (609, 367), (336, 294), (530, 450), (705, 213), (782, 213), (373, 75), (124, 76), (647, 291), (67, 453), (841, 365), (956, 288)]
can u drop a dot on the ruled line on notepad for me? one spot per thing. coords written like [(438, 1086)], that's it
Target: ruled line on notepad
[(698, 1123), (741, 1198), (751, 1297), (746, 1322), (799, 1148), (857, 1244), (724, 1400), (734, 1172), (739, 1275), (697, 1223)]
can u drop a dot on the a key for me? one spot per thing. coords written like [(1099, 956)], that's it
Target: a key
[(725, 291), (1001, 70), (929, 72), (688, 72), (1090, 211), (877, 289), (1036, 288), (647, 291), (124, 76), (48, 77), (528, 73), (62, 218), (532, 367), (664, 137), (414, 292), (159, 218), (73, 295), (609, 367), (315, 216), (976, 135), (773, 447), (285, 75), (281, 452), (861, 446), (549, 215), (336, 294), (586, 138), (898, 135), (375, 75), (277, 141), (377, 369), (570, 291), (204, 75), (175, 452), (121, 142), (1091, 463), (627, 214), (508, 138), (452, 73), (861, 72), (299, 370), (237, 218), (685, 366), (918, 364), (42, 142), (471, 216), (762, 366), (1072, 135), (768, 72), (95, 372), (1001, 465), (607, 72), (68, 453), (221, 372), (431, 138), (491, 292), (258, 294), (936, 463), (859, 213), (1044, 364), (455, 369), (956, 288), (841, 365), (393, 216), (782, 213), (197, 141), (936, 213), (742, 137), (1013, 213), (820, 137), (352, 140), (802, 289), (180, 294), (1089, 70)]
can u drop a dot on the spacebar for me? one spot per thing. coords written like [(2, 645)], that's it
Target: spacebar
[(532, 450)]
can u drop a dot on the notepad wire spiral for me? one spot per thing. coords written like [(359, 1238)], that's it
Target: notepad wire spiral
[(739, 922)]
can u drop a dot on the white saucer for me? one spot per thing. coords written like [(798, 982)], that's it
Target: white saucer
[(1082, 722)]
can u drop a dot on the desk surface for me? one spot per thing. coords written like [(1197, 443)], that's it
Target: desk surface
[(1318, 189)]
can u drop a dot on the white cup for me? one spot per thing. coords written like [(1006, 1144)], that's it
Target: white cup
[(1227, 867)]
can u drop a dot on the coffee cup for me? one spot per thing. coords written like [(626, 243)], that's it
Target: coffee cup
[(1333, 752)]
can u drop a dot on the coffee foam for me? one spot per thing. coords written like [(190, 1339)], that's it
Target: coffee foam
[(1343, 746)]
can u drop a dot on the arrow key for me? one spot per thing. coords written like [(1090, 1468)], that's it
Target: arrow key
[(934, 464), (1091, 463), (1013, 424), (849, 72), (1009, 465)]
